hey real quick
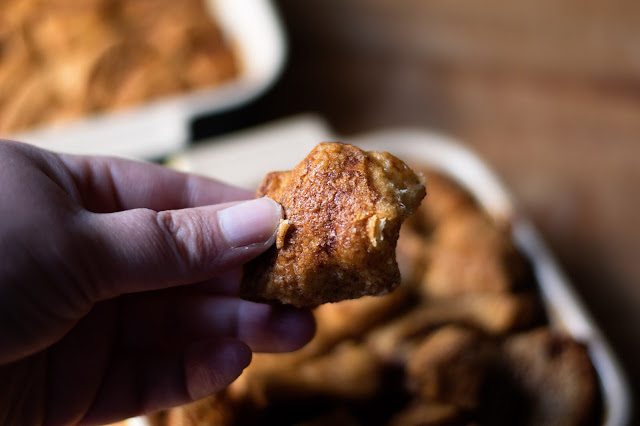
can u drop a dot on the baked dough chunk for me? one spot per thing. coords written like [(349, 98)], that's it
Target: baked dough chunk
[(343, 210), (556, 376)]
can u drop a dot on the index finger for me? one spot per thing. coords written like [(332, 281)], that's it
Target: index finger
[(108, 185)]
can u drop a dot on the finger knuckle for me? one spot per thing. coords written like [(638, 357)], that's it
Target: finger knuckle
[(189, 237)]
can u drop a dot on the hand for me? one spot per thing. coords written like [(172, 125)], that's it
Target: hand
[(117, 284)]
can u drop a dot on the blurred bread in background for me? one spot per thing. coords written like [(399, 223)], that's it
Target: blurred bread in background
[(481, 354), (60, 59)]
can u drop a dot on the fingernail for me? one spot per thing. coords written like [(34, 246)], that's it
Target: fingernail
[(250, 222)]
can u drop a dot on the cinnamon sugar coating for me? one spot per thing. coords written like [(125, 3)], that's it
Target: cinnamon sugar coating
[(343, 208)]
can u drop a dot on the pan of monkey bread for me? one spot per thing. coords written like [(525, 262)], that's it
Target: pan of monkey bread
[(127, 78), (478, 327)]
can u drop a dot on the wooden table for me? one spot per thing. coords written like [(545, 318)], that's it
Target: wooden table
[(547, 92)]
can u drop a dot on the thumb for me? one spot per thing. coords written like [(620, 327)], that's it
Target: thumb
[(140, 249)]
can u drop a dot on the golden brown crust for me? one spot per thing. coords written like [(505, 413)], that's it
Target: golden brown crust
[(452, 365), (349, 371), (495, 314), (556, 376), (344, 209), (470, 253), (428, 413)]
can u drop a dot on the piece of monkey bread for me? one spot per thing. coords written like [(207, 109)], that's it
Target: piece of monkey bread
[(343, 208)]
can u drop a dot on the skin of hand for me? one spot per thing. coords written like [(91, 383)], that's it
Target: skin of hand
[(117, 287)]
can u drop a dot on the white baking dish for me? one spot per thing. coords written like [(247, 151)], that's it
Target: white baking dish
[(244, 158), (161, 127)]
